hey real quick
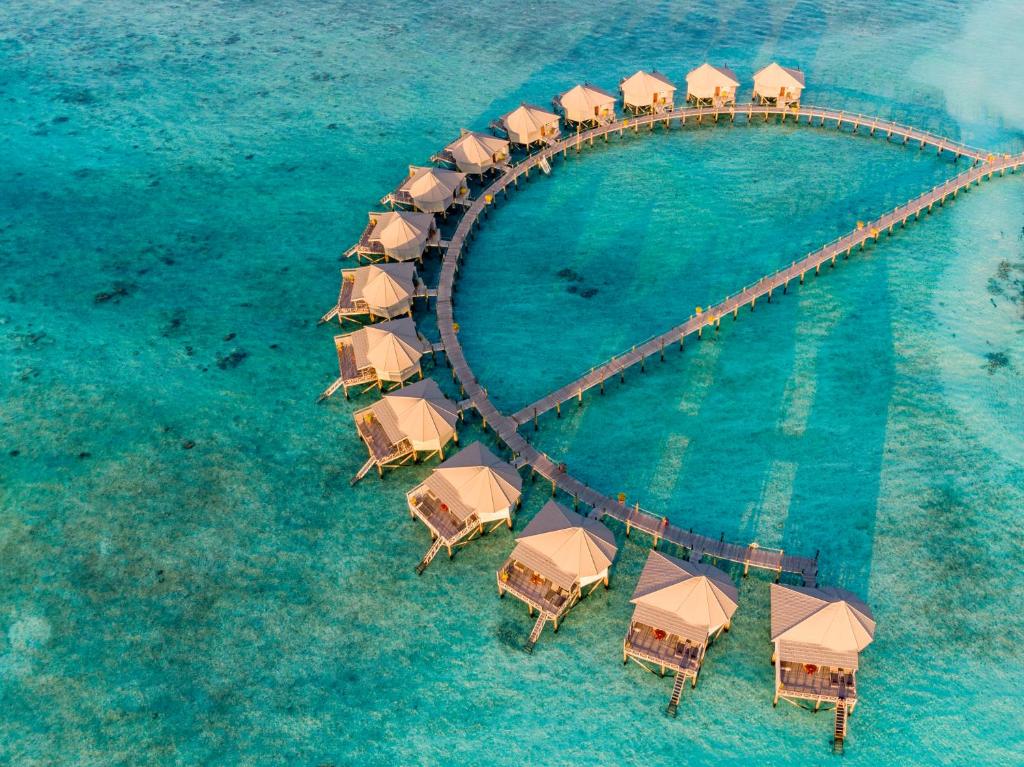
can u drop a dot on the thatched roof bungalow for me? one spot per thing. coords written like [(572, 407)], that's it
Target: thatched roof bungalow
[(559, 553), (818, 636), (414, 422), (711, 86), (680, 608), (471, 489), (586, 105), (527, 125), (778, 86), (647, 92)]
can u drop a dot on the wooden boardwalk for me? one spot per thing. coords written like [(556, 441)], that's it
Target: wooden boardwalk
[(764, 287), (507, 427)]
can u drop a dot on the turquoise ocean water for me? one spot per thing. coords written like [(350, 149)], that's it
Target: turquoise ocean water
[(186, 576)]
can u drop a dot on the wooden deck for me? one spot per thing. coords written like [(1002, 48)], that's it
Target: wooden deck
[(432, 512), (382, 449), (345, 307), (541, 595), (672, 652), (351, 373), (445, 528), (823, 685)]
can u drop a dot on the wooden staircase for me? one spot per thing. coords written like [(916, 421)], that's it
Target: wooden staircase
[(545, 166), (840, 728), (677, 693), (363, 471), (329, 316), (535, 634), (429, 556), (338, 383), (472, 522)]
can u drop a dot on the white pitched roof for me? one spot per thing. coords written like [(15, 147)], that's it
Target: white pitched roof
[(476, 152), (384, 286), (710, 76), (422, 414), (774, 76), (483, 482), (580, 101), (564, 546), (392, 347), (689, 599), (402, 233), (433, 189), (637, 89), (826, 625)]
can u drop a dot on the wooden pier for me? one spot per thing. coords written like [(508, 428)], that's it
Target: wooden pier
[(984, 165), (809, 665), (711, 317)]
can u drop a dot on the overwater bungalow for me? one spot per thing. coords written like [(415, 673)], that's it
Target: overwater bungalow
[(778, 86), (375, 291), (470, 490), (711, 86), (681, 607), (475, 153), (430, 190), (527, 125), (397, 235), (586, 105), (409, 424), (647, 92), (558, 555), (375, 355), (818, 636)]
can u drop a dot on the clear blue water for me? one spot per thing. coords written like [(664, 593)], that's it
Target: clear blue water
[(177, 182)]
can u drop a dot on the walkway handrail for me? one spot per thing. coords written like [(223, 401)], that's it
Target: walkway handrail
[(754, 290), (810, 112)]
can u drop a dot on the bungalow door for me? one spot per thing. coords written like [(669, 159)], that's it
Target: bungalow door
[(782, 91), (718, 91)]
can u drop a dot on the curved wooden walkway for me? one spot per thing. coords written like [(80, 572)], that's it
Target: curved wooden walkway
[(507, 427)]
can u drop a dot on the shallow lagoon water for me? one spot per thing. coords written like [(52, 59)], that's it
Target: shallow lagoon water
[(176, 186)]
